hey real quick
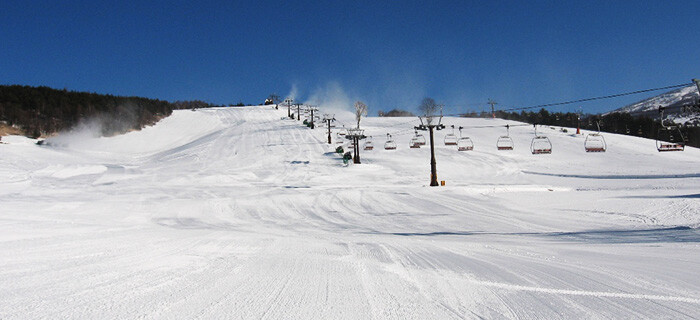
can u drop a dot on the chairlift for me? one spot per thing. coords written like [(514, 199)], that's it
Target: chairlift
[(451, 138), (464, 143), (339, 138), (368, 143), (419, 138), (343, 131), (414, 143), (669, 137), (389, 144), (505, 142), (350, 137), (540, 144), (595, 142)]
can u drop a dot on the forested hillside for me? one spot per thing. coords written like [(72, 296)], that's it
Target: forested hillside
[(622, 123), (43, 111), (396, 113)]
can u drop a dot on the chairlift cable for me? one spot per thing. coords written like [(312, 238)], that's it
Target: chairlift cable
[(575, 101), (544, 106), (597, 98)]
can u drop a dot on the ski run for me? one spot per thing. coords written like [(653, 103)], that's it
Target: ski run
[(238, 213)]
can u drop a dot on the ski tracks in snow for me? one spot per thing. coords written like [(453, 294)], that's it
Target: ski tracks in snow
[(258, 219)]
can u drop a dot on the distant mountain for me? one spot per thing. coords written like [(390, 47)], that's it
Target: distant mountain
[(673, 100)]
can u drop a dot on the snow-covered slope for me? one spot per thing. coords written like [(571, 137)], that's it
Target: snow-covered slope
[(676, 98), (235, 213)]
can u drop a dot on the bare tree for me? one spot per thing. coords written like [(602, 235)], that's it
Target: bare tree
[(429, 109), (360, 111), (273, 99)]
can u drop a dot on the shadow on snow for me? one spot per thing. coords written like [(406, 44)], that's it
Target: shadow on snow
[(671, 234), (682, 196), (632, 176)]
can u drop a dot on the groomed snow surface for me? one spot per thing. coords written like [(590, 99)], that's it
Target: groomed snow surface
[(236, 214)]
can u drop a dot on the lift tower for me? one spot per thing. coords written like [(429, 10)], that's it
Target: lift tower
[(328, 118), (288, 102), (311, 121), (355, 135), (430, 121), (298, 106), (493, 111)]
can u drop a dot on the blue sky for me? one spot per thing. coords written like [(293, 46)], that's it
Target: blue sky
[(387, 54)]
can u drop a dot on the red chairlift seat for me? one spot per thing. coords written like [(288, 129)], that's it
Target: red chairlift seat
[(368, 144), (417, 140), (451, 138), (541, 145), (414, 143), (465, 144), (420, 139), (505, 142), (595, 143), (670, 147), (389, 144), (670, 139)]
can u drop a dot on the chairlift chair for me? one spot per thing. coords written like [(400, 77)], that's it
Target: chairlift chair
[(368, 144), (464, 143), (595, 142), (540, 144), (414, 143), (419, 139), (389, 144), (339, 138), (669, 137), (451, 138), (505, 142)]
